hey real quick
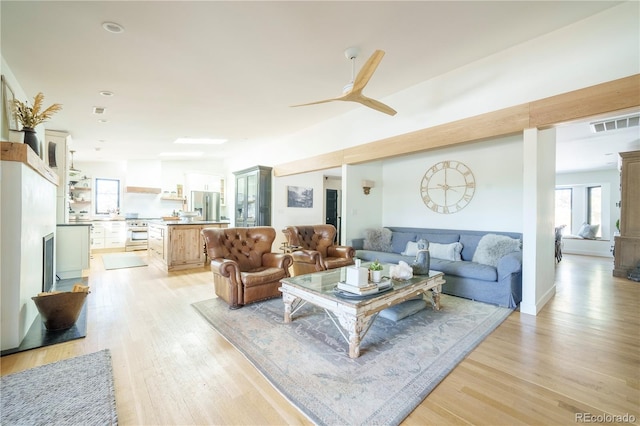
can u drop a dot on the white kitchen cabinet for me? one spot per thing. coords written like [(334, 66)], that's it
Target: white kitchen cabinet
[(108, 235), (97, 236), (72, 250)]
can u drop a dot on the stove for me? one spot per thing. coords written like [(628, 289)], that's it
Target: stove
[(137, 236)]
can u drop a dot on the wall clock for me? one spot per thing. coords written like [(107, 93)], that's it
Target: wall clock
[(447, 187)]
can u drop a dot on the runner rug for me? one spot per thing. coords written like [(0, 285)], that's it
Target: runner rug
[(122, 260), (399, 364), (76, 391)]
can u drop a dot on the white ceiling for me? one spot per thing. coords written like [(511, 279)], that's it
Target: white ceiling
[(231, 69)]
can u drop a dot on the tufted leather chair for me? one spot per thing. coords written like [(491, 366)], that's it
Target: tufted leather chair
[(244, 269), (317, 251)]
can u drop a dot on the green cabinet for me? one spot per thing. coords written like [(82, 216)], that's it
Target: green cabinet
[(253, 197)]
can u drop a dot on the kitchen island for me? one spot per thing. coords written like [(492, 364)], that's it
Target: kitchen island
[(176, 245)]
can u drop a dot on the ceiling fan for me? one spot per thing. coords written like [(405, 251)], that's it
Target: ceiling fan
[(353, 91)]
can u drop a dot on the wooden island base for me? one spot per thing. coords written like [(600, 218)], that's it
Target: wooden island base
[(175, 245)]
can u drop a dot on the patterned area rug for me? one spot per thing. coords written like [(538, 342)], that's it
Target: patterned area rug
[(399, 364), (76, 391)]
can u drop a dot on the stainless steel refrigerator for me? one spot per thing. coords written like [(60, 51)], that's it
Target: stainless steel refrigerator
[(207, 204)]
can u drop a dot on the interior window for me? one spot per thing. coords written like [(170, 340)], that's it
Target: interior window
[(594, 207), (107, 196), (563, 208)]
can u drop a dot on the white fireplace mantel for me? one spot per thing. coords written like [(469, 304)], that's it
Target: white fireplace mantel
[(28, 193)]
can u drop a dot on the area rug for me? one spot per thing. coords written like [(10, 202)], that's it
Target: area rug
[(399, 364), (122, 260), (71, 392)]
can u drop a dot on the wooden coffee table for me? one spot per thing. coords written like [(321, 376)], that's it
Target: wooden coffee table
[(354, 315)]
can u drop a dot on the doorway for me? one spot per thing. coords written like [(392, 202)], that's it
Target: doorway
[(332, 216)]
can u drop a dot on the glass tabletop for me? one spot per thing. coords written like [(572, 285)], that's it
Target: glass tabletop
[(325, 282)]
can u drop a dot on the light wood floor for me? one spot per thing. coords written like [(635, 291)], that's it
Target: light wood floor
[(581, 354)]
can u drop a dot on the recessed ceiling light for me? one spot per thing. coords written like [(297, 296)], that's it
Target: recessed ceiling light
[(180, 154), (113, 27), (102, 120), (200, 141), (106, 93)]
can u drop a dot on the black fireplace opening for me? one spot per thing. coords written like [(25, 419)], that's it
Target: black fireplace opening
[(48, 277)]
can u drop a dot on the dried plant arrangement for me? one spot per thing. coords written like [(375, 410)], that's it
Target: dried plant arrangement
[(31, 116)]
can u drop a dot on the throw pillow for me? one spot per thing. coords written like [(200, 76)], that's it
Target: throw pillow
[(411, 249), (404, 309), (588, 231), (445, 251), (377, 239), (492, 247)]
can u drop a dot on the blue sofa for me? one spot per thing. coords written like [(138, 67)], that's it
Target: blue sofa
[(500, 285)]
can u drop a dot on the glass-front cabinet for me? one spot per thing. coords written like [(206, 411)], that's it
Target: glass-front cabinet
[(253, 197)]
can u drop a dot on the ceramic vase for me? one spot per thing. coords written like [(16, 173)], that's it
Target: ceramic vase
[(422, 263), (31, 139), (376, 276)]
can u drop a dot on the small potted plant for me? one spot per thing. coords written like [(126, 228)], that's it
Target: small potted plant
[(31, 116), (375, 271)]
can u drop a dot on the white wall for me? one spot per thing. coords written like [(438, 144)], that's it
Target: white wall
[(283, 216), (361, 211), (497, 202), (538, 272)]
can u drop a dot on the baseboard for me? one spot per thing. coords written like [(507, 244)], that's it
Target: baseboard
[(533, 309)]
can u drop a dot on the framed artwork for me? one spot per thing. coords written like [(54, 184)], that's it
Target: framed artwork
[(7, 100), (299, 196)]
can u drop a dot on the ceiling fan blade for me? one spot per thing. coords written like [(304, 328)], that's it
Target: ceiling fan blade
[(317, 102), (372, 103), (367, 71)]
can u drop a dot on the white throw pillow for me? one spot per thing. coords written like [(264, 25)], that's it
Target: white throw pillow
[(588, 231), (411, 249), (445, 251)]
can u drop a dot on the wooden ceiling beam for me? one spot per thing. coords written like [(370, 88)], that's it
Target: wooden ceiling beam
[(616, 95)]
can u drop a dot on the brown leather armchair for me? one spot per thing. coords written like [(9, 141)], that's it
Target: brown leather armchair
[(244, 269), (316, 250)]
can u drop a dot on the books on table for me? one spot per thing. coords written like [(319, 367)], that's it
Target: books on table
[(371, 288)]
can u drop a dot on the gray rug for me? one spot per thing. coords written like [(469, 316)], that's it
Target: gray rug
[(122, 260), (76, 391), (400, 363)]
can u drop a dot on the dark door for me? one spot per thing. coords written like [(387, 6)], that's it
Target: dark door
[(332, 210)]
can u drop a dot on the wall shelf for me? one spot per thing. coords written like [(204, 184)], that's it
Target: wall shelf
[(173, 198), (22, 153), (143, 190)]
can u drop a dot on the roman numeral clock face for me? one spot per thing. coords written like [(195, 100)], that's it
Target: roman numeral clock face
[(447, 187)]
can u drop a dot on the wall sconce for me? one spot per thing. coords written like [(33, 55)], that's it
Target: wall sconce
[(366, 186)]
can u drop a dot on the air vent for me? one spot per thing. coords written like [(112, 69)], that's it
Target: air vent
[(615, 123), (99, 110)]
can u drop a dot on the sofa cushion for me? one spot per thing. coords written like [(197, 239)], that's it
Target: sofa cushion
[(469, 245), (262, 275), (399, 241), (443, 238), (411, 249), (492, 247), (473, 270), (378, 239), (445, 251)]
